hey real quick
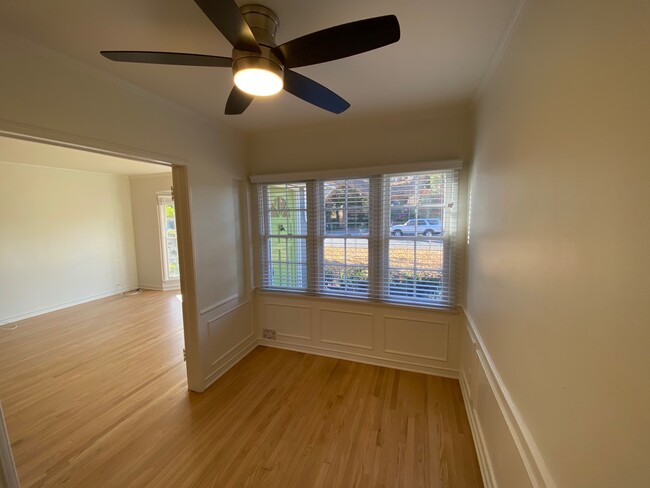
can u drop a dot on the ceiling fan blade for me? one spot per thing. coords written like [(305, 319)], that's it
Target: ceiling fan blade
[(238, 101), (226, 17), (314, 93), (181, 59), (339, 42)]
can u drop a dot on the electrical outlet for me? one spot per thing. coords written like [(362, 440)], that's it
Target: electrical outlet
[(268, 334)]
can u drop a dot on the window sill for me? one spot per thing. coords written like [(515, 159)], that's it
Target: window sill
[(371, 303)]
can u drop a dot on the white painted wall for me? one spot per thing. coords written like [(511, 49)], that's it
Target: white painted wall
[(558, 257), (146, 227), (381, 140), (44, 93), (67, 237)]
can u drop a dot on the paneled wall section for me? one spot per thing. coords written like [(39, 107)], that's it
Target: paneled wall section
[(390, 335)]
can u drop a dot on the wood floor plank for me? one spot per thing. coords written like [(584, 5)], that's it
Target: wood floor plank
[(96, 396)]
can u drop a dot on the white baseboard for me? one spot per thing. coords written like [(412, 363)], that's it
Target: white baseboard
[(8, 476), (144, 286), (487, 472), (540, 476), (171, 285), (362, 358), (61, 306), (164, 287), (227, 364)]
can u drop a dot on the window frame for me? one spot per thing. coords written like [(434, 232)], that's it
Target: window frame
[(322, 235), (164, 238), (266, 236), (378, 238)]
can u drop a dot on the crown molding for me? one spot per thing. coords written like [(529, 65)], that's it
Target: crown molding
[(504, 41)]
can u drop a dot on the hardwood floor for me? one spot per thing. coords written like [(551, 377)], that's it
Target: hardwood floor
[(95, 396)]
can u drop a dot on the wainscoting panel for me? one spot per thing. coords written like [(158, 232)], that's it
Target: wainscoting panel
[(416, 338), (230, 335), (288, 321), (507, 453), (229, 330), (410, 338), (351, 329)]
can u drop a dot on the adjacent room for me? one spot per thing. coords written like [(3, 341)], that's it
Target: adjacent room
[(81, 227), (84, 226), (324, 244)]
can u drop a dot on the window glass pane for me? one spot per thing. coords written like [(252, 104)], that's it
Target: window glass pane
[(287, 262), (286, 206), (346, 204), (290, 223), (170, 221), (345, 265), (415, 268), (409, 253), (417, 197), (418, 209), (358, 221), (173, 270)]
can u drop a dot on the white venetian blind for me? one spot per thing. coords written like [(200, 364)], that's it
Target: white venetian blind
[(418, 238), (283, 236), (381, 237)]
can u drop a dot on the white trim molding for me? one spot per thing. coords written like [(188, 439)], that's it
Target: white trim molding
[(359, 172), (227, 365), (526, 447), (218, 304), (362, 358), (357, 332), (504, 41), (8, 476), (61, 306), (227, 341)]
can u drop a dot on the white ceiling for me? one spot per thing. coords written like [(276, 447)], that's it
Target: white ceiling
[(445, 49), (18, 151)]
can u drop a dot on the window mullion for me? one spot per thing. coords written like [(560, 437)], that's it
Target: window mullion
[(262, 216), (376, 249), (314, 243)]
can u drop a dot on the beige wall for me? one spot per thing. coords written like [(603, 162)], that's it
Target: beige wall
[(146, 227), (558, 256), (49, 95), (67, 237), (356, 143)]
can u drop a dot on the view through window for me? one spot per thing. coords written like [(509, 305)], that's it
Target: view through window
[(388, 237), (171, 269)]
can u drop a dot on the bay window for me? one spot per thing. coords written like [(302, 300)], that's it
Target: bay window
[(389, 237)]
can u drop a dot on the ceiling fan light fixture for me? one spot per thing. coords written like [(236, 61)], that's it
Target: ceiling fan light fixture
[(258, 76), (260, 66)]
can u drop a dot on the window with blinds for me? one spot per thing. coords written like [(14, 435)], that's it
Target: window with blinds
[(283, 209), (344, 218), (385, 238)]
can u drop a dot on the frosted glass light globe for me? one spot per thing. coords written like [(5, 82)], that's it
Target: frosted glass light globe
[(258, 82)]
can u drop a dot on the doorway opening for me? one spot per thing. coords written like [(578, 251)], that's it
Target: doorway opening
[(87, 226)]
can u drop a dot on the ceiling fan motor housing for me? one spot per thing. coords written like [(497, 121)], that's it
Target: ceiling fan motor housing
[(264, 23)]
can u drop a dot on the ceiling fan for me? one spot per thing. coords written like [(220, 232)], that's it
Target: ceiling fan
[(260, 66)]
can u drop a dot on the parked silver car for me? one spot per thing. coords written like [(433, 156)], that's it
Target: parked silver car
[(413, 227)]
